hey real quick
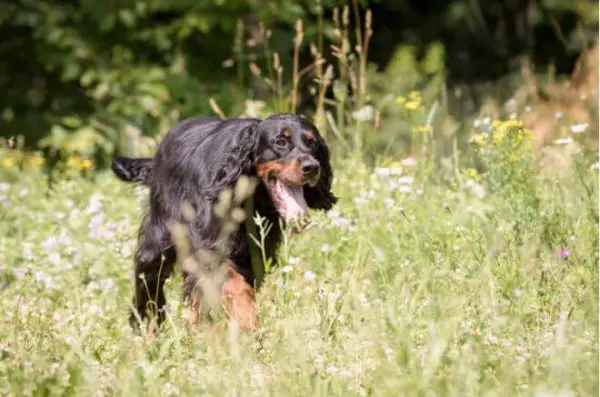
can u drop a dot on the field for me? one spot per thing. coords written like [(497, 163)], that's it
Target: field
[(481, 284)]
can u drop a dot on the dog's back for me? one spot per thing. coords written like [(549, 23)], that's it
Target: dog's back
[(190, 135)]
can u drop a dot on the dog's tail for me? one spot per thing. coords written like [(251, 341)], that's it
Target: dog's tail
[(137, 170)]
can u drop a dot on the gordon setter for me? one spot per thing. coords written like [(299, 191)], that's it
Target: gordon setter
[(197, 160)]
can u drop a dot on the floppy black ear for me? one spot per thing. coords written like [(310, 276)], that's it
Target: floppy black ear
[(321, 197), (239, 159)]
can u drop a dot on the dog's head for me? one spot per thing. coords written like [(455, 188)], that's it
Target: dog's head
[(292, 160)]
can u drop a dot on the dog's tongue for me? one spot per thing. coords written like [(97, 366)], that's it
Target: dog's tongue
[(294, 205)]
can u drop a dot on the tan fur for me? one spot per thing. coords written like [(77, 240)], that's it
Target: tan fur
[(287, 172)]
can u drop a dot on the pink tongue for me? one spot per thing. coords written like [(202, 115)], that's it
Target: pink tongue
[(293, 201)]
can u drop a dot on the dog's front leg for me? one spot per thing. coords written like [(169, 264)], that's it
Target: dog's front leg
[(239, 301)]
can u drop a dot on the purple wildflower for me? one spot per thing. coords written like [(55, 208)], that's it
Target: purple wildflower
[(563, 253)]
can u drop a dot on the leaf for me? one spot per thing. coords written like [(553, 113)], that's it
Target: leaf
[(72, 121), (87, 78), (83, 141), (127, 17)]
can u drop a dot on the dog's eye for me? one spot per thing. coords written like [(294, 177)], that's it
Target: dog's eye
[(281, 141)]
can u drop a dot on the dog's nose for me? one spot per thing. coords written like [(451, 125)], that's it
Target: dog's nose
[(310, 169)]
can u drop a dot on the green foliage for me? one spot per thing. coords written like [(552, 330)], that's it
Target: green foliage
[(107, 68), (113, 77)]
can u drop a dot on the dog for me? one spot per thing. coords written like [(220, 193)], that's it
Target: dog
[(198, 159)]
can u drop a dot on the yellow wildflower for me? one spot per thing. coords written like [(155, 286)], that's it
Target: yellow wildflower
[(8, 162), (511, 131), (85, 164), (470, 173), (498, 136), (424, 129), (37, 161), (479, 139), (413, 104)]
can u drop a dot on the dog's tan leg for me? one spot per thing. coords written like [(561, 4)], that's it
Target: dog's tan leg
[(239, 301), (193, 319)]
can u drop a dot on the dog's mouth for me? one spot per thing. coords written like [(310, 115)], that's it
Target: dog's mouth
[(288, 200)]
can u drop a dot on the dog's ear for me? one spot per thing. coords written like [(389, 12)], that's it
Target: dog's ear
[(321, 197), (239, 160)]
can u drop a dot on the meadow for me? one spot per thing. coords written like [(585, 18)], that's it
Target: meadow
[(481, 281)]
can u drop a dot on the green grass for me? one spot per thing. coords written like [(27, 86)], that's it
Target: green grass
[(432, 291)]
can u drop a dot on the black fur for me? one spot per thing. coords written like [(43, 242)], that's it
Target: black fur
[(133, 170), (196, 160)]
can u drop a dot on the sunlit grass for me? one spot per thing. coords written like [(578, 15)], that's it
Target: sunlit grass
[(411, 286)]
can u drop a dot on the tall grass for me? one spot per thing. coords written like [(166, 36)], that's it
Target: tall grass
[(485, 284)]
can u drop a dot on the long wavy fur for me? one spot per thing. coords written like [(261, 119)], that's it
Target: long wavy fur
[(197, 159)]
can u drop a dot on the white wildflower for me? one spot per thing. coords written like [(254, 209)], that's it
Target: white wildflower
[(409, 162), (257, 373), (546, 392), (4, 187), (389, 353), (491, 340), (333, 213), (406, 180), (171, 390), (579, 128), (42, 278), (49, 243), (326, 248), (19, 273), (28, 253), (309, 276), (363, 114), (477, 189), (381, 171), (54, 258), (95, 204), (389, 203), (107, 284), (563, 141), (287, 269), (342, 223), (360, 200), (126, 250), (344, 373), (405, 189), (363, 300), (65, 240)]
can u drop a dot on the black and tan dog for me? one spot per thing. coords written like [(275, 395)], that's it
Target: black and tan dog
[(198, 159)]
